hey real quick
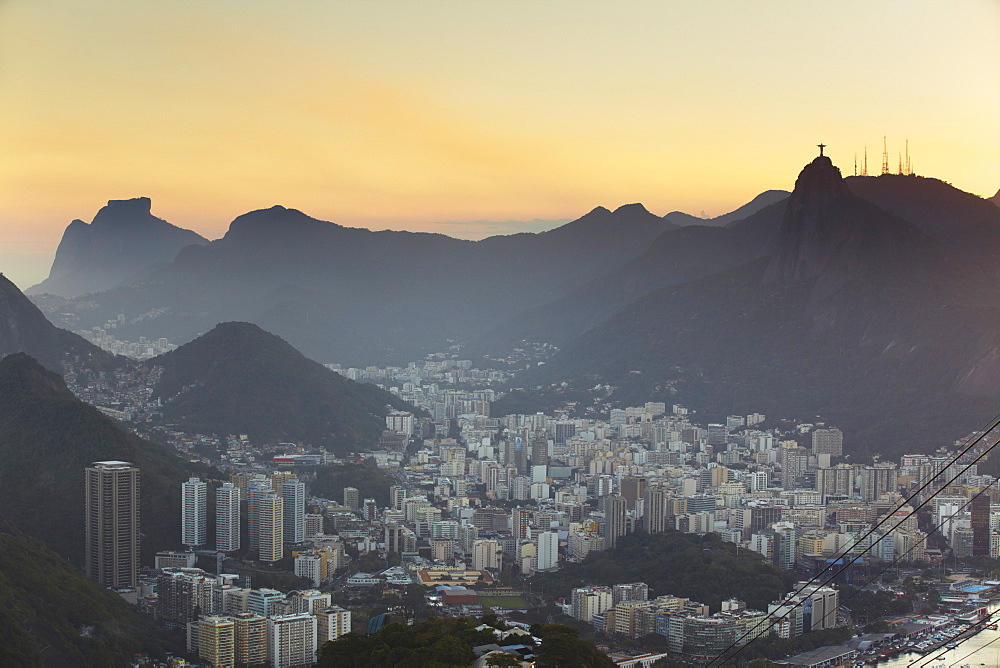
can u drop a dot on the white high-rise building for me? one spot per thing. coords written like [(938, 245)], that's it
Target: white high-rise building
[(227, 518), (256, 490), (309, 565), (332, 623), (485, 554), (293, 494), (590, 601), (291, 640), (194, 512), (548, 551)]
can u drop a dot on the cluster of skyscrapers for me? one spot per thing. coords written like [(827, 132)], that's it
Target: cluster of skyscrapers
[(276, 510)]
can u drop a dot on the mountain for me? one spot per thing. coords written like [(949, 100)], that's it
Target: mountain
[(939, 209), (996, 198), (673, 258), (761, 201), (48, 437), (855, 315), (54, 616), (123, 239), (361, 297), (24, 329), (238, 378)]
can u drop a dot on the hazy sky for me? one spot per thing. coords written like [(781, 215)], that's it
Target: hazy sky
[(413, 113)]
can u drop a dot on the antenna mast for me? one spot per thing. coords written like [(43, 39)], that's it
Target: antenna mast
[(885, 157)]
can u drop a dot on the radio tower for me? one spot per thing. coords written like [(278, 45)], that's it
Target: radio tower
[(864, 167), (909, 172), (885, 157), (900, 164), (855, 163)]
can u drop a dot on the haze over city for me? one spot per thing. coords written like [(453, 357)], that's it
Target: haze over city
[(456, 117)]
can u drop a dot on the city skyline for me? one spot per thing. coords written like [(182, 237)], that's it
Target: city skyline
[(456, 118)]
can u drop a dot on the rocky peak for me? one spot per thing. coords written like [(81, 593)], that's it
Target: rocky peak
[(827, 230)]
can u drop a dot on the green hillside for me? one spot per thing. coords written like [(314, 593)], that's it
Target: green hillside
[(444, 643), (51, 615), (702, 568), (48, 437), (238, 378)]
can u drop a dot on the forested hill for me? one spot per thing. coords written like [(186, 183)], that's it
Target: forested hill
[(240, 379), (702, 568), (24, 329), (444, 643), (54, 616), (48, 437)]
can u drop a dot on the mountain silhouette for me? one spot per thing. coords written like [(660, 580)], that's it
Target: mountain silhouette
[(765, 199), (673, 258), (123, 239), (855, 314), (357, 296)]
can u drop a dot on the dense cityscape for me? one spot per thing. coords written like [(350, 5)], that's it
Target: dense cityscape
[(480, 507)]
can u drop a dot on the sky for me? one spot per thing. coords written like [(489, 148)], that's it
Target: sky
[(473, 117)]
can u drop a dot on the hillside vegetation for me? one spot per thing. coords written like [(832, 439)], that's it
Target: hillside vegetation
[(239, 379), (702, 568), (48, 437), (51, 615)]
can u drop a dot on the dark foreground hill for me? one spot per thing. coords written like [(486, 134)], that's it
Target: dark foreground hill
[(856, 315), (239, 379), (48, 437), (123, 239), (52, 615), (24, 329)]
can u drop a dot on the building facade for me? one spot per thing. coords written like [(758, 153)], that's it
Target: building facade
[(111, 544)]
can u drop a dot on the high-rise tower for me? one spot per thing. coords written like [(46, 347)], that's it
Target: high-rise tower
[(256, 490), (614, 519), (194, 512), (111, 550), (227, 518), (293, 494), (270, 529)]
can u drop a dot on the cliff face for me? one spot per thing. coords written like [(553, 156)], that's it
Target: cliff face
[(123, 239)]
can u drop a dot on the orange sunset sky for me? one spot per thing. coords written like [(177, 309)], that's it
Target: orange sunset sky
[(441, 116)]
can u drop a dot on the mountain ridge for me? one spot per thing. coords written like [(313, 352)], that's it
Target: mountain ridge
[(856, 315), (760, 201), (25, 329), (278, 261)]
